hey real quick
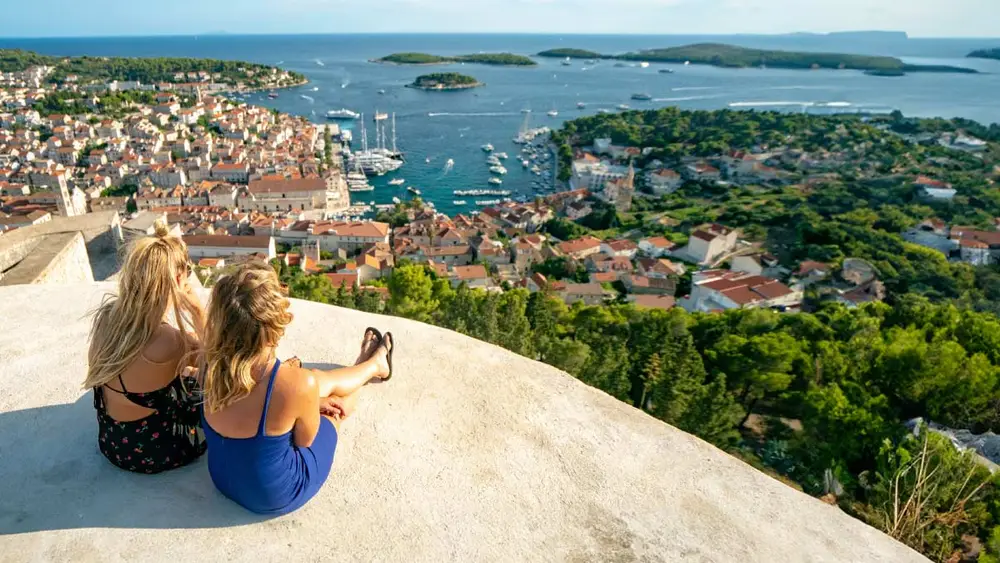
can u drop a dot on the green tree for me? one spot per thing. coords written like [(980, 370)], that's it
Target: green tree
[(411, 290)]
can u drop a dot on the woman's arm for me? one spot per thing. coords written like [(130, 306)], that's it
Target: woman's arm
[(307, 406)]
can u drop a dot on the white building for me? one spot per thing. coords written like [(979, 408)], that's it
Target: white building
[(664, 181), (297, 194), (714, 290), (592, 173), (708, 243)]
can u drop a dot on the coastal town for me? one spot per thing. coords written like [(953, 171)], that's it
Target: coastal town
[(236, 180)]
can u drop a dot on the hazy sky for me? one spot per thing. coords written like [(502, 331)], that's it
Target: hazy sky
[(938, 18)]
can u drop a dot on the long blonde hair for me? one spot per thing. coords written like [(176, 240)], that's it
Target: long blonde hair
[(147, 287), (246, 318)]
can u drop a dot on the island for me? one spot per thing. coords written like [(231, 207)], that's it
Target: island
[(731, 56), (985, 54), (444, 81), (497, 59), (211, 74), (571, 54)]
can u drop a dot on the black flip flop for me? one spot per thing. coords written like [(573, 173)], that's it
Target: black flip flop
[(389, 351), (375, 331)]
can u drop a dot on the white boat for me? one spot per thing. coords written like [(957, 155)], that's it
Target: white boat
[(644, 65), (366, 187), (687, 63), (581, 105), (427, 160), (450, 163), (342, 114), (493, 161), (553, 113), (381, 92), (623, 107), (487, 202), (459, 202), (413, 190), (525, 163), (315, 88), (567, 62), (397, 182), (380, 116), (495, 181), (487, 147), (502, 155), (498, 170), (525, 110), (396, 200)]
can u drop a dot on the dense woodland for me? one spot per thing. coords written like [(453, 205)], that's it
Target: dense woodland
[(986, 53), (146, 70), (571, 53), (817, 399), (445, 80)]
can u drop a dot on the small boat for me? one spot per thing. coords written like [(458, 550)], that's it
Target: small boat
[(603, 110), (380, 116), (666, 71), (642, 97), (498, 170), (487, 147), (567, 62), (525, 163), (342, 114), (525, 110), (591, 62), (502, 155), (581, 105), (459, 202), (643, 65), (396, 200), (623, 107), (397, 182), (381, 92), (553, 113), (272, 95), (427, 160), (450, 163), (495, 181), (315, 88), (687, 63), (413, 190)]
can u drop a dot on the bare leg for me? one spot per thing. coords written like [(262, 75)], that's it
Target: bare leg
[(345, 381), (348, 403)]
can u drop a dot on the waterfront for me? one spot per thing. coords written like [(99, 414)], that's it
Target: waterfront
[(454, 125)]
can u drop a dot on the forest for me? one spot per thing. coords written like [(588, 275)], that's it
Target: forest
[(444, 81), (985, 54), (146, 70), (571, 53)]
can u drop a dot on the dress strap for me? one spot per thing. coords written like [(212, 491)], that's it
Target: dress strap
[(267, 397)]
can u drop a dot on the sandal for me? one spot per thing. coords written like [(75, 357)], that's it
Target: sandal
[(389, 350)]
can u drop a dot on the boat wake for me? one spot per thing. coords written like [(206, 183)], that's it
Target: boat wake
[(480, 114), (800, 88), (448, 166), (310, 98), (686, 98), (345, 83), (319, 62), (694, 88)]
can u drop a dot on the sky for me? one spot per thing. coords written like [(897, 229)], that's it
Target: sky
[(920, 18)]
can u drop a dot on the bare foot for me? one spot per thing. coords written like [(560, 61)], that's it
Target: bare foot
[(381, 357), (294, 361), (369, 344)]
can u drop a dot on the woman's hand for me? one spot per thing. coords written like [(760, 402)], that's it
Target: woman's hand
[(333, 406)]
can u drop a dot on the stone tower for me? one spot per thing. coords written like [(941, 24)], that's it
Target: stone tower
[(70, 204)]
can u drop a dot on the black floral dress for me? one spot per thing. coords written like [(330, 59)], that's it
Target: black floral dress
[(170, 437)]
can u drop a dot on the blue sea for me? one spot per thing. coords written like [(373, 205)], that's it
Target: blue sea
[(438, 126)]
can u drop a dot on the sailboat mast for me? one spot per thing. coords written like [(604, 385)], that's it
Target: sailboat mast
[(364, 135), (394, 151)]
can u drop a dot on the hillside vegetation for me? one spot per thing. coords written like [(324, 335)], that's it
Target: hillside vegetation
[(499, 59), (146, 70), (445, 81)]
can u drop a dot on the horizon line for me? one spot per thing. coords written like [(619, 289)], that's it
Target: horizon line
[(222, 33)]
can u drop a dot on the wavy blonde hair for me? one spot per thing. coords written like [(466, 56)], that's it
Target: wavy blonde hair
[(246, 319), (147, 288)]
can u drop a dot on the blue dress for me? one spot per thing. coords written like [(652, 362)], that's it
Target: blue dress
[(270, 474)]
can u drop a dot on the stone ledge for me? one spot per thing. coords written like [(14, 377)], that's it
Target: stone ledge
[(470, 453)]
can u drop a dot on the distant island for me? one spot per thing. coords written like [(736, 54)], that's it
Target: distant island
[(499, 59), (731, 56), (571, 54), (445, 81), (86, 70), (985, 54)]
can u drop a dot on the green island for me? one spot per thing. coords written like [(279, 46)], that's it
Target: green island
[(730, 56), (571, 54), (985, 54), (85, 70), (444, 81), (498, 59)]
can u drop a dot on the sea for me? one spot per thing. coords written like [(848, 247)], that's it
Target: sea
[(434, 127)]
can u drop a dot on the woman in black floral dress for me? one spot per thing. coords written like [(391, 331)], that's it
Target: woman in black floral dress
[(147, 412)]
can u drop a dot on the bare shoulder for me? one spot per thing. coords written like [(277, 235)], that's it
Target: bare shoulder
[(297, 382), (165, 346)]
